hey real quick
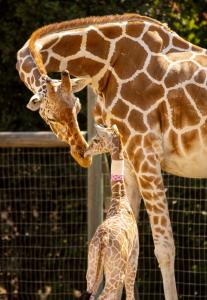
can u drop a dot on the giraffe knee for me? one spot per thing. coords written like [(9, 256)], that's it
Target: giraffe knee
[(165, 254)]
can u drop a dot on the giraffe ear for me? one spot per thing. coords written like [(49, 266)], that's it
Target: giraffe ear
[(78, 84), (34, 102), (50, 87), (65, 81)]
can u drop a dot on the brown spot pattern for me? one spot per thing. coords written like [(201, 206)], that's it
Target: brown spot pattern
[(53, 65), (145, 181), (120, 109), (179, 42), (97, 45), (176, 56), (133, 143), (202, 60), (68, 45), (32, 79), (148, 140), (164, 124), (123, 129), (142, 91), (134, 29), (161, 205), (189, 138), (110, 90), (199, 96), (137, 159), (173, 139), (196, 48), (129, 53), (155, 220), (163, 221), (49, 44), (36, 75), (151, 158), (200, 77), (44, 56), (111, 32), (136, 121), (204, 133), (157, 67), (84, 66), (173, 50), (28, 65), (146, 168), (180, 72), (98, 114), (153, 40), (147, 195), (153, 118), (24, 52), (183, 114), (148, 206), (164, 36), (158, 229)]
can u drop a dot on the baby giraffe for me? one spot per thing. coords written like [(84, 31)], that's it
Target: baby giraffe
[(113, 250)]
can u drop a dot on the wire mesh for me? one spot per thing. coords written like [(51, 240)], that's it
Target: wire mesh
[(43, 224), (43, 218)]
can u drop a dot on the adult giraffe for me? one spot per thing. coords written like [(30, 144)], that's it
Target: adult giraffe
[(151, 83)]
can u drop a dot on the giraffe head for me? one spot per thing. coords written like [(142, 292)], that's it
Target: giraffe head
[(78, 84), (106, 140), (59, 109)]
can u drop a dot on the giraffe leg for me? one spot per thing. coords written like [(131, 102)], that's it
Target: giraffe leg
[(152, 190), (114, 280), (115, 262), (132, 190), (131, 272), (94, 275)]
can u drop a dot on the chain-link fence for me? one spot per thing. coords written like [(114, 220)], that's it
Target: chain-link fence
[(43, 218), (43, 224)]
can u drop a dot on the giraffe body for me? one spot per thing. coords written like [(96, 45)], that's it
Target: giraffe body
[(171, 68), (152, 84), (113, 250)]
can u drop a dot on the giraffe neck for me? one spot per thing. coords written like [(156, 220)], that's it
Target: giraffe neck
[(119, 199), (85, 47), (92, 48)]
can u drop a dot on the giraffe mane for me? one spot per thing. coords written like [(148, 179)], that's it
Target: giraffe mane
[(79, 23)]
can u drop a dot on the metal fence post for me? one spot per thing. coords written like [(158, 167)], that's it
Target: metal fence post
[(95, 176)]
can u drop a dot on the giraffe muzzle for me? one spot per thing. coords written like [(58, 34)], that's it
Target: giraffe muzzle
[(80, 158)]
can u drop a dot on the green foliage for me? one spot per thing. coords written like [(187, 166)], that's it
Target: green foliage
[(189, 21), (21, 18)]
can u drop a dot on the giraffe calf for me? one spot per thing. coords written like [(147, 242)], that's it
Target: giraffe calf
[(113, 250)]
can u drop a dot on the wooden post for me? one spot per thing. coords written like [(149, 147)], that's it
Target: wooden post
[(95, 177), (40, 139)]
